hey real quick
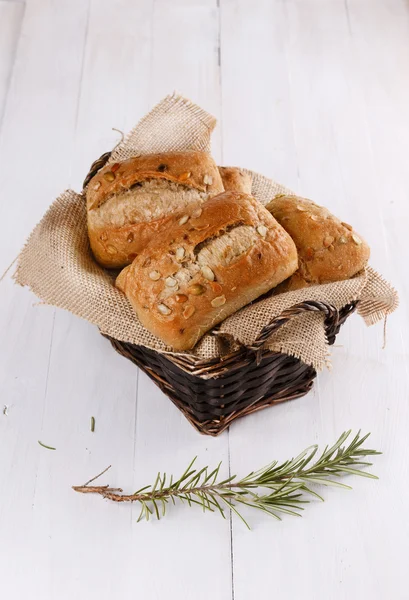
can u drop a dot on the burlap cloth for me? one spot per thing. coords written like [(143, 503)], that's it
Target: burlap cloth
[(57, 264)]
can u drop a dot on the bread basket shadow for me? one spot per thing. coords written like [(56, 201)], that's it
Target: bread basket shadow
[(212, 393)]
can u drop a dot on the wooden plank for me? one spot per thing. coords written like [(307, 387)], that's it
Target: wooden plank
[(385, 91), (86, 377), (367, 388), (10, 23), (35, 145), (104, 385), (258, 133), (257, 111)]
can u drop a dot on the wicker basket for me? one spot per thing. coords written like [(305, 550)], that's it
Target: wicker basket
[(212, 393)]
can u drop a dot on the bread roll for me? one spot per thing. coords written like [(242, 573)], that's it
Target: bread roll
[(235, 179), (127, 201), (210, 261), (328, 249)]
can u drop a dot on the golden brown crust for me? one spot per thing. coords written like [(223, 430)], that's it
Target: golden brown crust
[(328, 249), (116, 237), (193, 169), (235, 179), (206, 267)]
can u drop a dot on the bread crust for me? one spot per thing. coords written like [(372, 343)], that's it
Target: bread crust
[(328, 249), (236, 179), (180, 314), (115, 245)]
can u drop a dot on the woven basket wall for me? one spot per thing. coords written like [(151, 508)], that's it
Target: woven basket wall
[(212, 393)]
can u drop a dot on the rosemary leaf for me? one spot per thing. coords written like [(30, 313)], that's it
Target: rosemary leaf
[(45, 446)]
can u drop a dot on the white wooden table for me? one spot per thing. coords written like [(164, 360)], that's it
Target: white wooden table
[(312, 92)]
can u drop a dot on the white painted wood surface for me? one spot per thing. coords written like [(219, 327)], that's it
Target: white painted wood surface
[(312, 92)]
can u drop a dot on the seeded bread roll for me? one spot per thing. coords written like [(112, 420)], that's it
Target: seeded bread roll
[(209, 262), (328, 249), (235, 179), (127, 201)]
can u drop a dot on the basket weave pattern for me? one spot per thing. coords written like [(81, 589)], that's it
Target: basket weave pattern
[(212, 393)]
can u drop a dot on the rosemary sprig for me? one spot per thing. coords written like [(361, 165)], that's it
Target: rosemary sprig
[(274, 489)]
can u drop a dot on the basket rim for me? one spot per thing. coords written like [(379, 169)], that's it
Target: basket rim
[(208, 368)]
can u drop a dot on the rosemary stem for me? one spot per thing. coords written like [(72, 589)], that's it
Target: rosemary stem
[(285, 486)]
